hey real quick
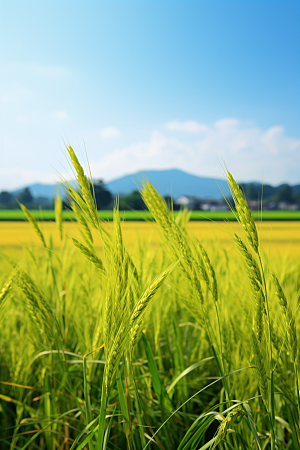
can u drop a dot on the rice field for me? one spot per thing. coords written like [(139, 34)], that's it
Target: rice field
[(171, 335), (280, 239)]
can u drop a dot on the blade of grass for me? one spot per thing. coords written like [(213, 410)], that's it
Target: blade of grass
[(193, 396), (187, 371)]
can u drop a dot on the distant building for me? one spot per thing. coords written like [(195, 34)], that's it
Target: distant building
[(285, 206), (257, 205), (214, 205), (185, 202)]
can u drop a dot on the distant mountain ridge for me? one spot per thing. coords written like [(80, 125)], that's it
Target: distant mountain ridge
[(173, 182)]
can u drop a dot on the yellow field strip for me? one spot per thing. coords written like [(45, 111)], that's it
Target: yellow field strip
[(276, 237)]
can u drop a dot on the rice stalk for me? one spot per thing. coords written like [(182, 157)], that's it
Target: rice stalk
[(244, 213), (177, 243), (34, 224), (255, 278), (84, 227), (289, 318), (4, 295), (40, 312), (85, 190), (227, 423), (90, 254), (210, 271), (58, 215), (260, 368), (145, 303)]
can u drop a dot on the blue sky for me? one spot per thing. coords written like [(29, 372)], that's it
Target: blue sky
[(150, 84)]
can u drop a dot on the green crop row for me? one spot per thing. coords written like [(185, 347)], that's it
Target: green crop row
[(11, 215)]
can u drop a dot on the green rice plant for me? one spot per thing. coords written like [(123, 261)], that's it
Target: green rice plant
[(38, 307), (212, 284), (260, 369), (5, 291), (58, 215), (84, 228), (289, 318), (84, 195), (228, 422), (34, 224), (245, 217), (90, 254), (194, 272), (104, 345), (255, 278)]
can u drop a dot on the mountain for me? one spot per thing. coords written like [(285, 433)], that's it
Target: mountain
[(43, 190), (171, 182)]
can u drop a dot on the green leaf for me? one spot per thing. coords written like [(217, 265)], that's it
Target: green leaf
[(102, 417), (87, 399), (122, 396), (186, 371), (86, 395), (193, 396), (157, 385), (106, 436), (272, 399), (252, 424)]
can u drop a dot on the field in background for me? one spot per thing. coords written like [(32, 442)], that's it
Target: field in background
[(276, 237), (11, 214)]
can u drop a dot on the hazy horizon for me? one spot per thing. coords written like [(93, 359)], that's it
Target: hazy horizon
[(56, 182)]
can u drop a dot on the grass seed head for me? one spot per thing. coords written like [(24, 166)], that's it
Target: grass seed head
[(85, 188), (58, 214), (90, 254), (290, 324), (210, 271), (228, 422), (34, 224), (84, 227), (244, 213)]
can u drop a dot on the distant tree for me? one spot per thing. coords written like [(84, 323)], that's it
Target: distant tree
[(197, 205), (296, 197), (25, 196), (252, 191), (6, 198), (132, 201), (103, 196), (284, 194)]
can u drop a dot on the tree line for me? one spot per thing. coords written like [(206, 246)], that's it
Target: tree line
[(133, 201), (103, 197)]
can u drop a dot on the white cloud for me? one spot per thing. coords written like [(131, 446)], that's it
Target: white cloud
[(190, 126), (17, 177), (110, 132), (60, 115), (35, 69), (249, 152)]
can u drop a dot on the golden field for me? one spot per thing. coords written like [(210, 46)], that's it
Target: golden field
[(277, 238)]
